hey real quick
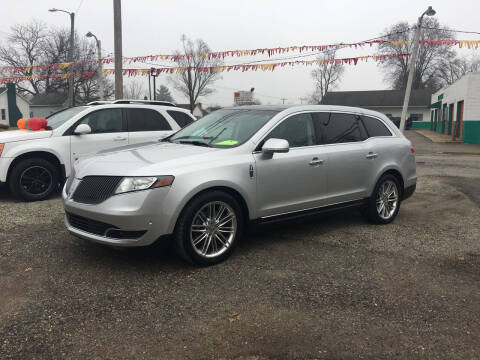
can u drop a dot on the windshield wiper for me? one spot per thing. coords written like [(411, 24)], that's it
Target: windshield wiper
[(194, 142)]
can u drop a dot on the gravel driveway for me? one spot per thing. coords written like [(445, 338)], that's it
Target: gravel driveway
[(319, 288)]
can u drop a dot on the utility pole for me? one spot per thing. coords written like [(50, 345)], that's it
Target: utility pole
[(154, 75), (71, 100), (302, 99), (149, 88), (117, 30), (283, 100), (100, 65), (411, 68)]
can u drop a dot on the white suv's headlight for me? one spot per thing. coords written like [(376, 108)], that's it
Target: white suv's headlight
[(137, 183)]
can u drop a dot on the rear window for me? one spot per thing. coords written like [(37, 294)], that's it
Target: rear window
[(375, 127), (146, 120), (180, 118)]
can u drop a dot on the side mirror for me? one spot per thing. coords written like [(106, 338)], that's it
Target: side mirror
[(275, 146), (82, 129)]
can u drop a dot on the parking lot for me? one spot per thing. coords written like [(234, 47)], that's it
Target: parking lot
[(319, 288)]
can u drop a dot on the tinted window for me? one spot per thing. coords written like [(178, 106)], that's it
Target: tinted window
[(298, 130), (146, 120), (104, 121), (341, 128), (181, 118), (375, 127)]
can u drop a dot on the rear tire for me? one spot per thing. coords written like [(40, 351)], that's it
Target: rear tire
[(209, 228), (33, 179), (384, 203)]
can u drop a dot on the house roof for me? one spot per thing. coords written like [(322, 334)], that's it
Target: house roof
[(377, 98), (53, 99)]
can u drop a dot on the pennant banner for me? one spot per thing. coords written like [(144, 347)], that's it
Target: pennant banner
[(470, 44), (254, 67), (15, 79), (212, 69)]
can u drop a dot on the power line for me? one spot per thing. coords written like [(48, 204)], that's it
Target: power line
[(79, 6), (451, 30)]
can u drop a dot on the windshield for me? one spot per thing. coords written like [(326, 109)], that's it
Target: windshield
[(59, 118), (224, 128)]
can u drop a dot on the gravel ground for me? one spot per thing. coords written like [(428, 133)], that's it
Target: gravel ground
[(319, 288)]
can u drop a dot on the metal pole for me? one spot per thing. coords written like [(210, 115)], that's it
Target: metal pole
[(117, 27), (149, 88), (154, 88), (411, 71), (100, 70), (71, 100)]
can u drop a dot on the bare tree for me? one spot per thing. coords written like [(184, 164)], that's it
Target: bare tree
[(194, 83), (163, 94), (34, 43), (326, 76), (430, 59), (134, 90), (25, 48), (452, 70)]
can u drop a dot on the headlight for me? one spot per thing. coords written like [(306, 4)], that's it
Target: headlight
[(129, 184)]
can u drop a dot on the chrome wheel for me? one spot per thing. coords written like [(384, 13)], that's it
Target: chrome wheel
[(387, 199), (36, 180), (213, 229)]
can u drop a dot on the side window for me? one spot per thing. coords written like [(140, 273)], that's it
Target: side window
[(341, 128), (180, 118), (146, 120), (375, 127), (298, 130), (104, 121)]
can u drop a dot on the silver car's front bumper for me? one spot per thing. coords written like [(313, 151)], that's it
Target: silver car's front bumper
[(135, 211)]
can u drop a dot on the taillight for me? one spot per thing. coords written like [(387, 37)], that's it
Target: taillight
[(412, 149)]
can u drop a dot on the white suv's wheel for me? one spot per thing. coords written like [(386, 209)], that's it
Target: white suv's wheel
[(33, 179)]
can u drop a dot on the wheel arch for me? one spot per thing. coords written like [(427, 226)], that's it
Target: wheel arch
[(46, 155), (227, 189), (397, 174)]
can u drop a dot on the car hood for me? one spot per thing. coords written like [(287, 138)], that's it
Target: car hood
[(154, 159), (21, 135)]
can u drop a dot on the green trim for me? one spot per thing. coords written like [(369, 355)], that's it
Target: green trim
[(471, 132), (421, 125), (435, 105)]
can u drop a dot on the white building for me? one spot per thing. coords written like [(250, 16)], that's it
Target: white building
[(388, 102), (455, 109), (5, 113)]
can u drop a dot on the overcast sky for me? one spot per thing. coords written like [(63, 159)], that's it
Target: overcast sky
[(155, 27)]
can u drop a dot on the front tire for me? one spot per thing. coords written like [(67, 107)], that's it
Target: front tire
[(33, 179), (209, 228), (384, 204)]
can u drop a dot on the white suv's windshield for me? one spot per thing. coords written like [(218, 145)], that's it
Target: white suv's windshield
[(59, 118), (224, 128)]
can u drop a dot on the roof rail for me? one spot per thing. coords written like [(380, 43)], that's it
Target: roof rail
[(146, 102), (98, 102)]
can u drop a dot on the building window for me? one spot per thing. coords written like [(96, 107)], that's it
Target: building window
[(416, 117), (4, 117)]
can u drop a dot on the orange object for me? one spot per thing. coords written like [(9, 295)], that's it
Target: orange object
[(21, 123)]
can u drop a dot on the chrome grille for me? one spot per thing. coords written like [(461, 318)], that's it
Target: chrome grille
[(95, 189)]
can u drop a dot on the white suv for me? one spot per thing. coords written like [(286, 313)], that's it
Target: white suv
[(33, 163)]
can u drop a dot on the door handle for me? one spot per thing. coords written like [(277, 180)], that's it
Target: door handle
[(371, 155), (119, 138), (315, 162)]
